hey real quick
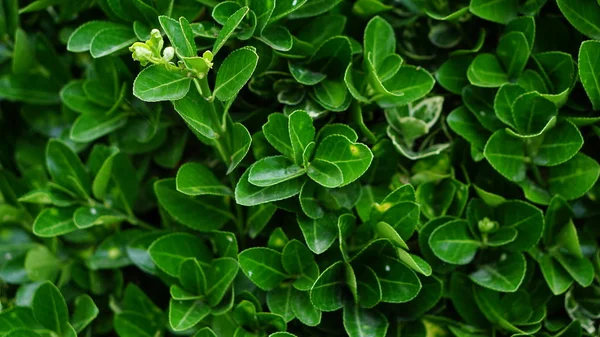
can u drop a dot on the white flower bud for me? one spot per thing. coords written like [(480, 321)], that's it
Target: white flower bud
[(168, 54)]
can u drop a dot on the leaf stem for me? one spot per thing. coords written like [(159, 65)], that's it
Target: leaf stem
[(356, 112)]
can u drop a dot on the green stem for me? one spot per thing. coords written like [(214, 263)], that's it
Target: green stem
[(358, 118)]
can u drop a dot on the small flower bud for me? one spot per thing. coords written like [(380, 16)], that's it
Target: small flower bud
[(168, 54), (141, 52), (487, 226)]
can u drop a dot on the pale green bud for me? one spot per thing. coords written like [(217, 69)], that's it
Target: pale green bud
[(168, 54), (141, 52)]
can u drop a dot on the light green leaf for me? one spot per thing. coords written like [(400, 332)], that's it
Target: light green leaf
[(499, 11), (180, 34), (319, 234), (556, 277), (304, 75), (327, 292), (170, 251), (203, 213), (53, 222), (486, 71), (589, 66), (559, 144), (184, 315), (513, 51), (66, 168), (50, 308), (360, 322), (532, 113), (302, 133), (247, 194), (81, 39), (462, 121), (270, 171), (304, 310), (399, 283), (157, 83), (87, 128), (408, 85), (276, 130), (234, 72), (314, 8), (196, 111), (197, 179), (583, 15), (580, 268), (279, 301), (263, 267), (504, 275), (228, 28), (506, 154), (453, 243), (277, 37), (353, 159), (110, 40), (85, 312), (87, 216), (573, 178)]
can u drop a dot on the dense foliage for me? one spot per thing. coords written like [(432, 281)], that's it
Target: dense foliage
[(253, 168)]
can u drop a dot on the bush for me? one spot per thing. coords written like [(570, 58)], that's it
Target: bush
[(368, 168)]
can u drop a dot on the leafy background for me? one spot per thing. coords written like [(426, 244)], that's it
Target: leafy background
[(299, 168)]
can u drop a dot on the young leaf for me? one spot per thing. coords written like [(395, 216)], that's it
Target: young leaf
[(453, 243), (263, 266), (273, 170), (247, 194), (352, 159), (157, 83), (50, 308), (197, 179), (228, 28), (186, 314), (170, 251), (234, 72), (589, 67)]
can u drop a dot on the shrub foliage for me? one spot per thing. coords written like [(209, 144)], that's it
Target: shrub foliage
[(253, 168)]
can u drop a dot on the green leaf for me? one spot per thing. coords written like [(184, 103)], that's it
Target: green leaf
[(408, 85), (203, 213), (280, 302), (87, 128), (304, 75), (360, 322), (319, 234), (276, 130), (500, 11), (583, 15), (234, 72), (24, 53), (196, 111), (74, 96), (302, 133), (197, 179), (296, 258), (452, 75), (580, 268), (486, 71), (157, 83), (224, 271), (28, 89), (325, 173), (277, 37), (304, 310), (170, 251), (263, 267), (462, 121), (532, 113), (247, 194), (513, 51), (556, 277), (573, 178), (314, 8), (184, 315), (353, 159), (66, 168), (180, 34), (504, 100), (270, 171), (53, 222), (559, 144), (192, 277), (453, 243), (228, 28), (379, 41), (134, 324), (50, 308), (41, 264), (399, 283), (111, 40), (506, 154), (327, 292), (505, 275), (527, 219), (87, 216), (85, 312), (81, 39), (589, 67)]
